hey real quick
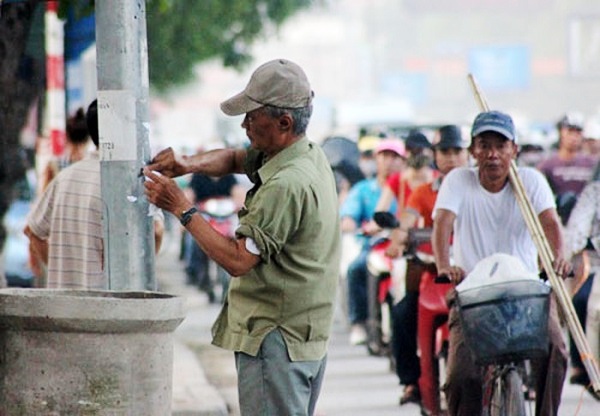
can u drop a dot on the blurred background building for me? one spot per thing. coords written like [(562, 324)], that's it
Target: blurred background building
[(389, 61), (382, 62)]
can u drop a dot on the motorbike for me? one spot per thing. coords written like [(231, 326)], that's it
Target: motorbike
[(390, 279), (433, 342), (351, 248), (221, 214), (383, 275)]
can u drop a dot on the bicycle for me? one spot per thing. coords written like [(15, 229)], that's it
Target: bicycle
[(504, 325), (503, 392)]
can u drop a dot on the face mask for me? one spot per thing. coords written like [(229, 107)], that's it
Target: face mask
[(418, 161), (368, 167)]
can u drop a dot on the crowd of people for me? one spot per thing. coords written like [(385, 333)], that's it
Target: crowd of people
[(468, 207), (284, 254)]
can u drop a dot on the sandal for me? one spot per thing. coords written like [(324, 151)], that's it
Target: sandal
[(595, 394), (411, 394), (579, 377)]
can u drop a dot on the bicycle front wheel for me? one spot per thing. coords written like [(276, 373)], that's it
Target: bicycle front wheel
[(507, 395)]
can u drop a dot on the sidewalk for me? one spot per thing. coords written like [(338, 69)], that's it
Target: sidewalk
[(193, 394)]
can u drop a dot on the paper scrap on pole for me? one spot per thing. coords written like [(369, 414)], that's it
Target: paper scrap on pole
[(117, 125)]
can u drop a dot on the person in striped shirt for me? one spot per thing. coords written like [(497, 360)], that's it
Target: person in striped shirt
[(65, 223)]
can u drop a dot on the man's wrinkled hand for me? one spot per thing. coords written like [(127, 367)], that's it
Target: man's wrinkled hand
[(454, 273), (168, 163), (164, 192), (562, 267)]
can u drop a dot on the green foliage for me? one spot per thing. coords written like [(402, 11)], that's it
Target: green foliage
[(182, 33), (80, 8)]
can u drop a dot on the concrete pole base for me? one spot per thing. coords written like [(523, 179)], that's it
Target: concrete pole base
[(68, 352)]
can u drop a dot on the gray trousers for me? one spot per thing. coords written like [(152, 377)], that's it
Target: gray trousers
[(272, 385)]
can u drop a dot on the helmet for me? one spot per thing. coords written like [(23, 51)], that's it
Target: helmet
[(573, 120), (592, 129), (417, 140), (392, 145), (367, 144), (450, 137)]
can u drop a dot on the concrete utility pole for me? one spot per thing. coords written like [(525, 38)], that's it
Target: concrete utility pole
[(123, 90)]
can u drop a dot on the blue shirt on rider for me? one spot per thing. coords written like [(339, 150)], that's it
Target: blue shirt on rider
[(361, 201)]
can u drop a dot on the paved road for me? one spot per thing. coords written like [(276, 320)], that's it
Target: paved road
[(355, 383)]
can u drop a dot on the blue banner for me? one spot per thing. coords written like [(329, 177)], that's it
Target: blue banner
[(79, 35), (407, 85), (501, 68)]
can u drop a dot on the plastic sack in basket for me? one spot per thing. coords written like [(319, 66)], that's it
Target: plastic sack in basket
[(506, 320)]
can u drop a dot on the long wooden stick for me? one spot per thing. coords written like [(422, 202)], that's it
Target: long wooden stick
[(547, 258)]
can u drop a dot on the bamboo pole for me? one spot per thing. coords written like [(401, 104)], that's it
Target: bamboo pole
[(547, 258)]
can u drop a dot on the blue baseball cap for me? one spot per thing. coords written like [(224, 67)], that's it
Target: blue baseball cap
[(494, 121)]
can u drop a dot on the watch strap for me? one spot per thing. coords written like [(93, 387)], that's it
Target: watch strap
[(186, 216)]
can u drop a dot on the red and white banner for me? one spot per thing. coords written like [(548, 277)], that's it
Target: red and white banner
[(55, 79)]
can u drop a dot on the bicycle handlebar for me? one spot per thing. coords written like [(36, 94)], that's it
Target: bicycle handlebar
[(442, 278)]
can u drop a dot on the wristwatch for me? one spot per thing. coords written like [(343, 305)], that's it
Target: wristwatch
[(186, 216)]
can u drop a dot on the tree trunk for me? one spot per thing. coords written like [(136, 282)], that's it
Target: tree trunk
[(20, 84)]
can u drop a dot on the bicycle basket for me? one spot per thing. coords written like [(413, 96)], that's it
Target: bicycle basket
[(505, 322)]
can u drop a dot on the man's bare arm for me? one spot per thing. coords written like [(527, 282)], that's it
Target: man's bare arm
[(552, 227), (217, 162), (398, 236), (38, 246), (159, 230), (229, 253), (442, 231)]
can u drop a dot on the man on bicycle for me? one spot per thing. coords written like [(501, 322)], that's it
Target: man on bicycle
[(479, 209)]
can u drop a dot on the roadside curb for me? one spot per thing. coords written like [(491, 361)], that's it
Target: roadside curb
[(193, 394)]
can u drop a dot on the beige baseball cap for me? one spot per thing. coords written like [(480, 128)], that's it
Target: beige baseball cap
[(280, 83)]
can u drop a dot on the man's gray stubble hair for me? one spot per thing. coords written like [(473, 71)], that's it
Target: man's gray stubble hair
[(301, 116)]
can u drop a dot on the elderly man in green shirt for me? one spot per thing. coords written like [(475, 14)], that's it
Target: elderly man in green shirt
[(278, 313)]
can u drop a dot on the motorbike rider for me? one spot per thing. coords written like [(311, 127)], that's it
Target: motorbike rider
[(366, 162), (591, 138), (568, 169), (477, 207), (204, 187), (582, 234), (449, 152), (417, 172), (357, 209)]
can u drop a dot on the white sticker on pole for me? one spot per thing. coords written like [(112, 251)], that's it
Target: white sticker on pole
[(117, 125)]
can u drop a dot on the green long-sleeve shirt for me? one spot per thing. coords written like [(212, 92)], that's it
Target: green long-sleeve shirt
[(292, 215)]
